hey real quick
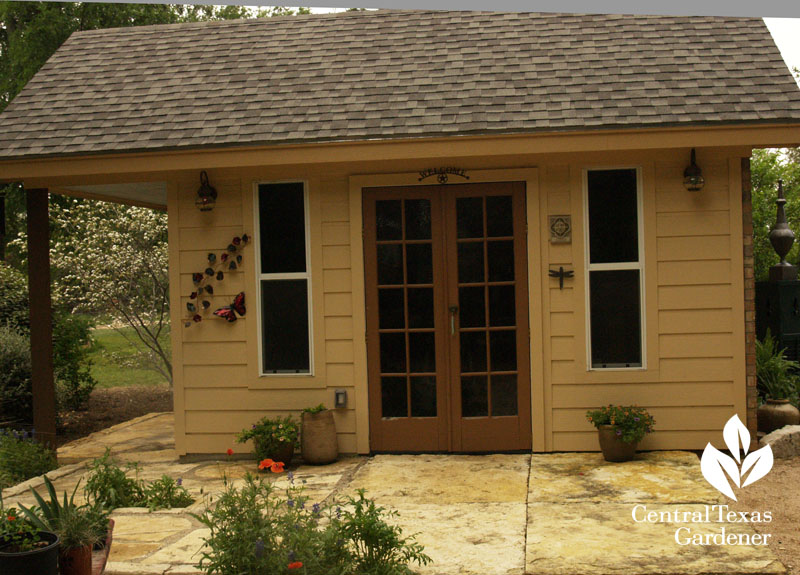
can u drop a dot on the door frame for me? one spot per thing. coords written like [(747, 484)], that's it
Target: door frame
[(536, 236)]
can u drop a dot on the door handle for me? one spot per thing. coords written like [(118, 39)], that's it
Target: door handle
[(453, 312)]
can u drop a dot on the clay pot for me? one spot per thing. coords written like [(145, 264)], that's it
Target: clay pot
[(284, 453), (613, 448), (777, 413), (42, 561), (75, 561), (318, 438)]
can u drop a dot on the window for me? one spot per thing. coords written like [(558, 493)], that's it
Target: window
[(284, 279), (614, 268)]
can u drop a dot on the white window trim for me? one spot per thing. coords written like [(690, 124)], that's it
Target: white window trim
[(639, 265), (283, 276)]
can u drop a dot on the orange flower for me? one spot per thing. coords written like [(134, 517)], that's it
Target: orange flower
[(230, 451), (276, 467), (265, 463), (295, 565)]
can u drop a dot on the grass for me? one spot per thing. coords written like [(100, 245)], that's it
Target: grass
[(125, 369)]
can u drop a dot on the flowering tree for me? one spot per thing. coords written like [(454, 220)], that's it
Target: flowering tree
[(112, 259)]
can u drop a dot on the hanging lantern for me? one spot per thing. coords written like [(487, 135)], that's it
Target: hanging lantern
[(206, 195)]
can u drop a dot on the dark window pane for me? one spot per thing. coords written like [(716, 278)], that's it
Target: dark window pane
[(615, 318), (503, 350), (418, 219), (470, 262), (499, 220), (502, 308), (420, 307), (394, 397), (474, 396), (282, 228), (390, 308), (284, 308), (469, 216), (472, 308), (419, 263), (388, 220), (390, 264), (393, 353), (613, 226), (423, 396), (504, 394), (422, 351), (473, 351), (501, 261)]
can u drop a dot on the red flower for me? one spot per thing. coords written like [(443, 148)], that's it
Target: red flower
[(230, 451), (276, 467), (295, 565), (265, 463), (11, 518)]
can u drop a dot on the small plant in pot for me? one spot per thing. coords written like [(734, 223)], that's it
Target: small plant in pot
[(24, 547), (273, 438), (79, 528), (777, 384), (318, 437), (620, 429)]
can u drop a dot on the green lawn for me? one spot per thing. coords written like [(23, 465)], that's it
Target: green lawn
[(112, 373)]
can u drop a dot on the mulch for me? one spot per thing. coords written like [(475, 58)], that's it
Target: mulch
[(111, 406)]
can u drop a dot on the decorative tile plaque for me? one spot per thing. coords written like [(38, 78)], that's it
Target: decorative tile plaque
[(560, 229)]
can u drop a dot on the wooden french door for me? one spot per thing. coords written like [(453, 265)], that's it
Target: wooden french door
[(447, 318)]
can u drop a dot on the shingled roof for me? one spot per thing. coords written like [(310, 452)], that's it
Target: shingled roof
[(393, 74)]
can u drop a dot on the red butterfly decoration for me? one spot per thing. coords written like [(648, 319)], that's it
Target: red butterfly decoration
[(229, 311)]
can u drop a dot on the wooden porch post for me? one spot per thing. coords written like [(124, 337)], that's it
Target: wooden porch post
[(43, 382)]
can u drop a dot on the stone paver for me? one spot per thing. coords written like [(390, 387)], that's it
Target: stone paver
[(554, 514)]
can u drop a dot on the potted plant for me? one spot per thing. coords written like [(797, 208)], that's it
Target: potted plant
[(777, 384), (272, 438), (620, 429), (24, 548), (318, 439), (79, 528)]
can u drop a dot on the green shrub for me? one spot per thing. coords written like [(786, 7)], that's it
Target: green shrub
[(166, 493), (775, 374), (22, 458), (256, 529), (71, 363), (17, 533), (269, 434), (14, 312), (71, 347), (15, 376), (109, 486)]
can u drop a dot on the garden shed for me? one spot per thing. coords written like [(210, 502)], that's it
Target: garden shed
[(465, 228)]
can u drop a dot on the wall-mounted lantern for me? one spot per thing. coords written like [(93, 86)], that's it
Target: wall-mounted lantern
[(206, 195), (340, 398), (693, 176)]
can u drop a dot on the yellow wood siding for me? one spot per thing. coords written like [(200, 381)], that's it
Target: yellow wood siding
[(694, 378)]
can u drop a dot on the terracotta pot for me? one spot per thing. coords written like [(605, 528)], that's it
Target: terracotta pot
[(42, 561), (613, 448), (776, 413), (318, 438), (75, 561)]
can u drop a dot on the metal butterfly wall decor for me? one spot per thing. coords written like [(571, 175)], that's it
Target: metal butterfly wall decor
[(230, 260), (229, 311)]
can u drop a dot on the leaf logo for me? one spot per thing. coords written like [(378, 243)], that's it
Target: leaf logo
[(720, 469)]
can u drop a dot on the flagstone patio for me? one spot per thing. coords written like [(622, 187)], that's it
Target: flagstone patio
[(554, 514)]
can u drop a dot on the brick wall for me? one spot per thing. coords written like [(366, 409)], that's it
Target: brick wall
[(749, 300)]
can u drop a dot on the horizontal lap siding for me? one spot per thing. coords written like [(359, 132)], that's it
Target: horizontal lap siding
[(219, 388), (691, 268)]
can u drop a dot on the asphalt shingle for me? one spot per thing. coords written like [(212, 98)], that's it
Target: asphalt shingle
[(393, 74)]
